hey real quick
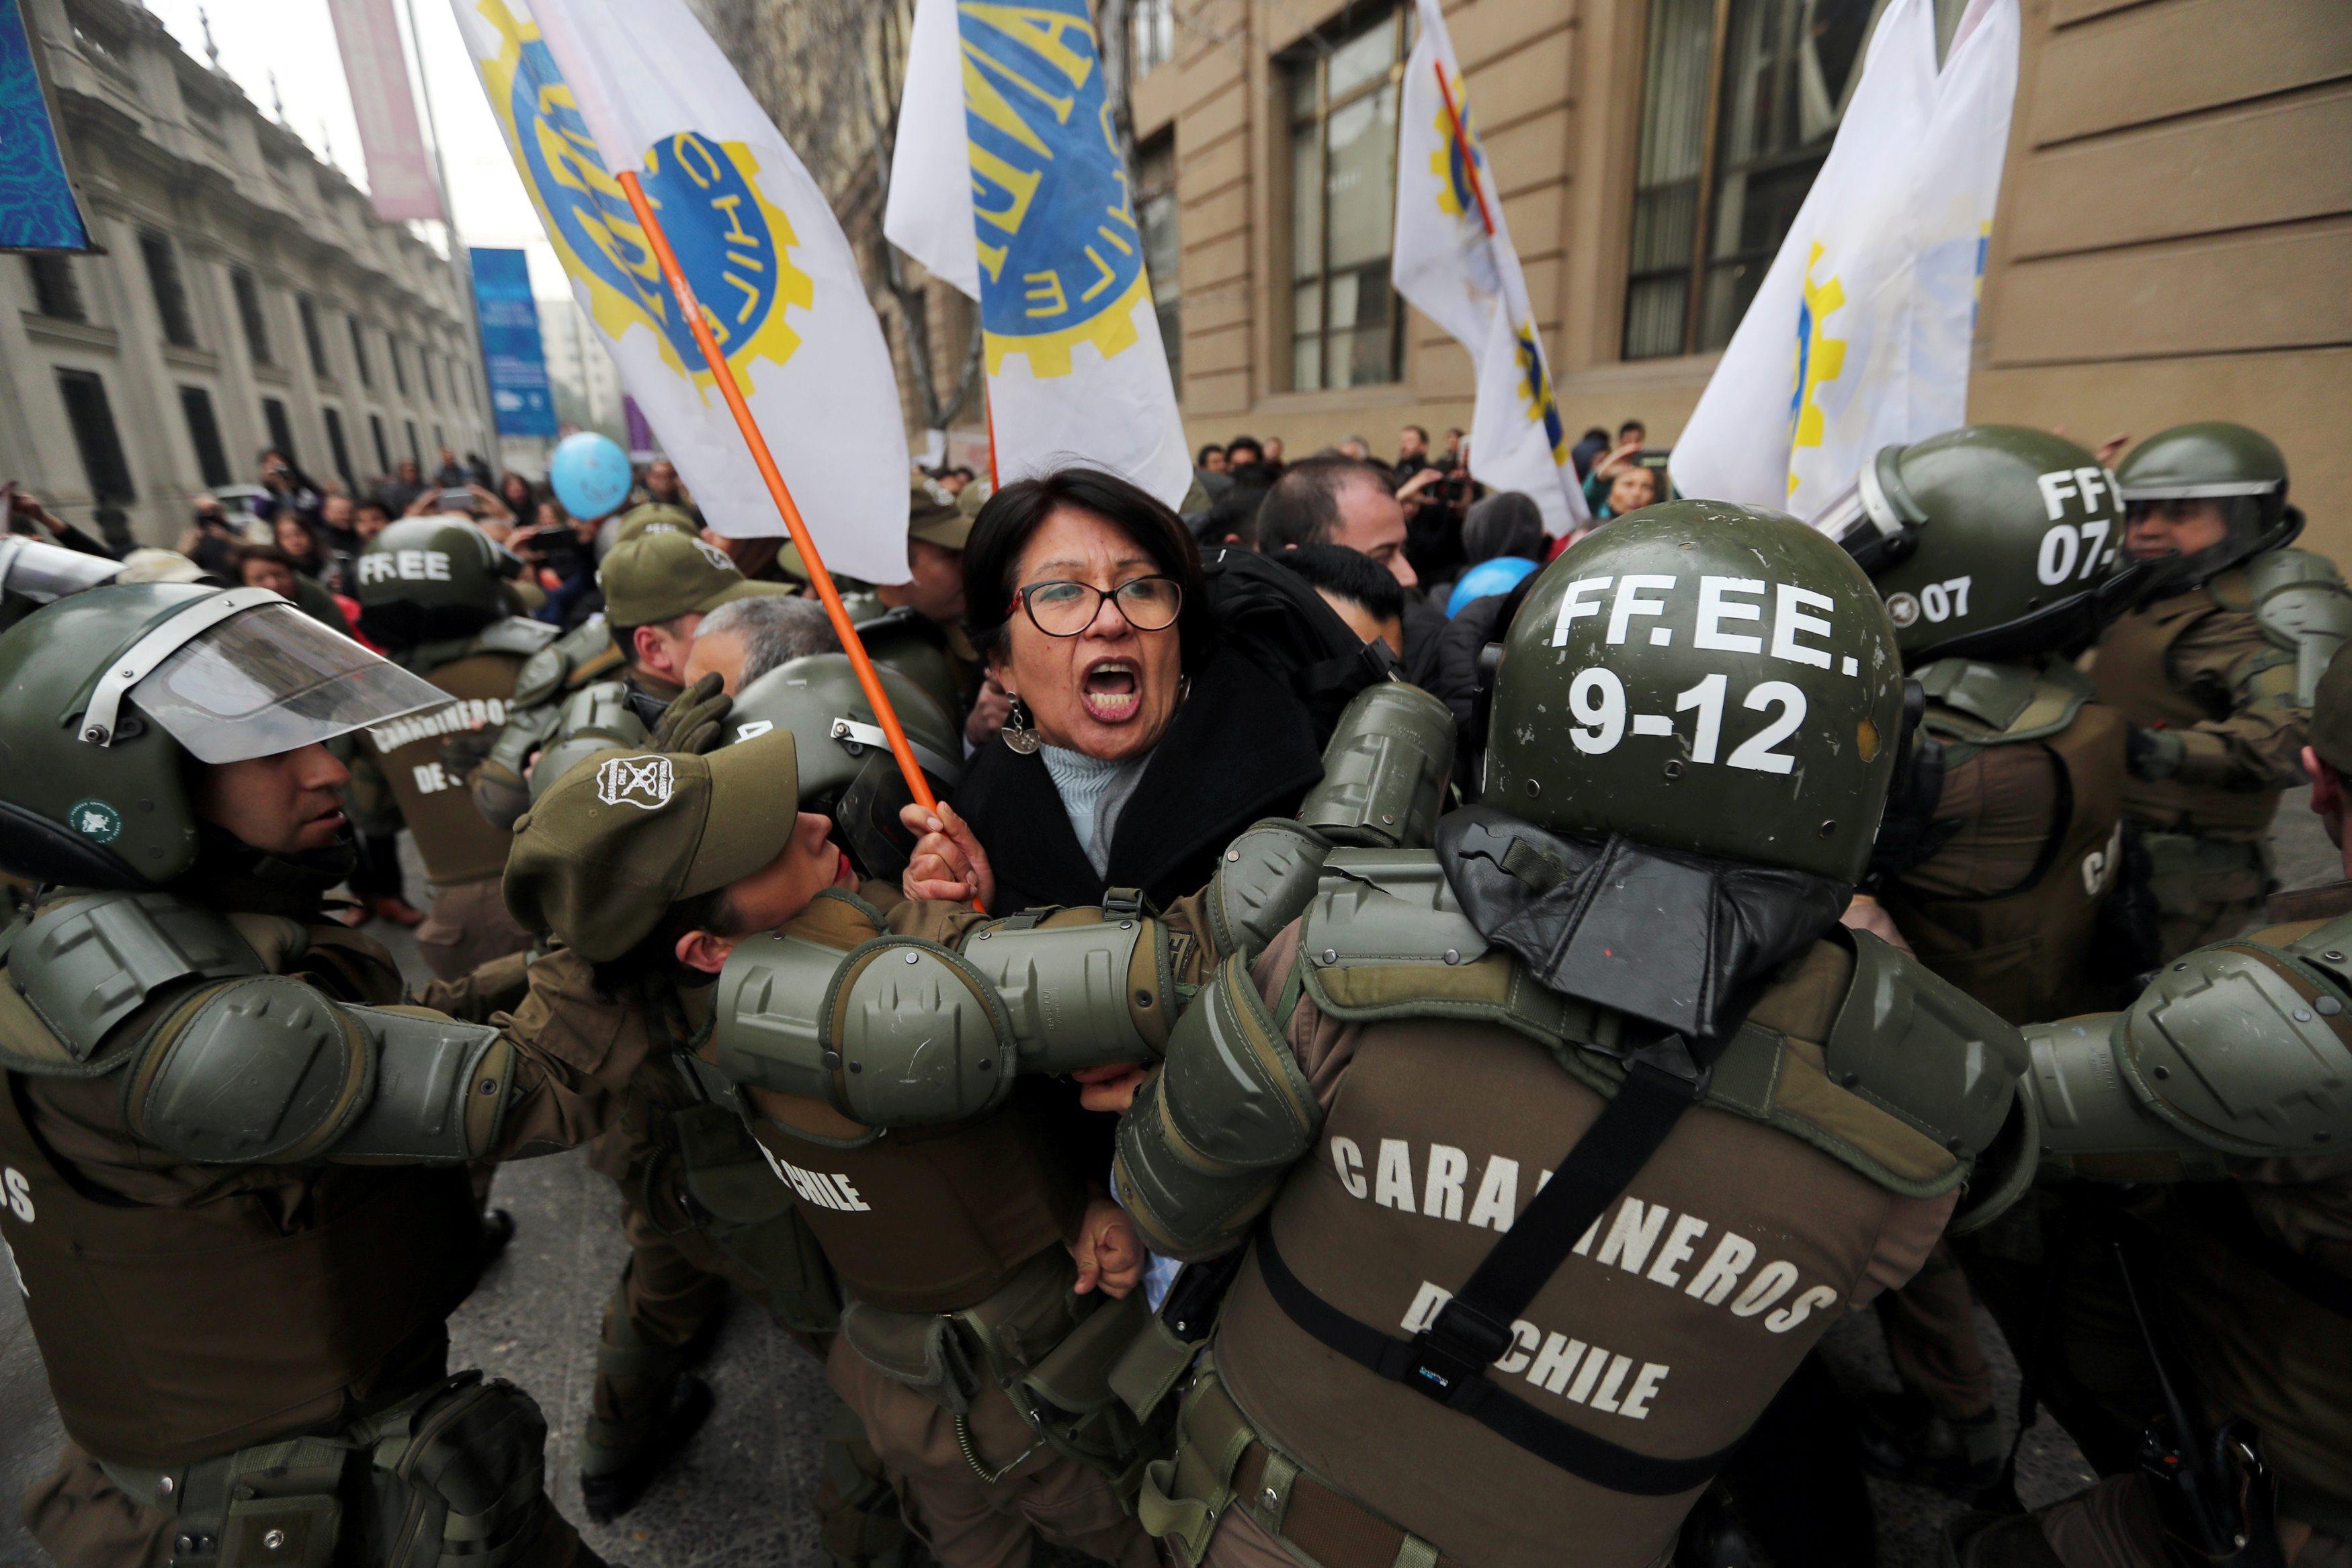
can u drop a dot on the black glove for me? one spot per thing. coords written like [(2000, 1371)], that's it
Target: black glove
[(466, 749), (694, 719), (2153, 754)]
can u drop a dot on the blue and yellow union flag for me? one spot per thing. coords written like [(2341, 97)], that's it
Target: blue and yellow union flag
[(586, 92), (1024, 202)]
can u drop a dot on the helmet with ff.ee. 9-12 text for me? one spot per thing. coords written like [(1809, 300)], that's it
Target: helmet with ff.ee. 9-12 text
[(1992, 541), (106, 696), (1705, 677)]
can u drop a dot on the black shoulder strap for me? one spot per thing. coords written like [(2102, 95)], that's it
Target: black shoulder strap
[(1446, 1360)]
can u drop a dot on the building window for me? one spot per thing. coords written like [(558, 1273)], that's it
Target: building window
[(203, 434), (337, 448), (1152, 33), (399, 371), (57, 292), (359, 354), (249, 310), (1346, 325), (92, 419), (171, 297), (414, 451), (1155, 213), (382, 453), (1736, 120), (318, 345), (425, 370), (282, 430)]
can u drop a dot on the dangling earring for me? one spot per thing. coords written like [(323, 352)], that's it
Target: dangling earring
[(1018, 732)]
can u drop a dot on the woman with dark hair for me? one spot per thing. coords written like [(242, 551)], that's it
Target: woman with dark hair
[(520, 495), (299, 537), (1137, 745)]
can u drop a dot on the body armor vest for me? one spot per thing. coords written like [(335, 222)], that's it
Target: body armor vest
[(2132, 675), (919, 1219), (455, 841), (1667, 1332), (2024, 950), (174, 1333)]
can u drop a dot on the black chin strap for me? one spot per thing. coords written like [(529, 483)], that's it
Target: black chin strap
[(1446, 1360)]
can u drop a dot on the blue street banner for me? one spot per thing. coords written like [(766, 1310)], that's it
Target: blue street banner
[(37, 207), (511, 351)]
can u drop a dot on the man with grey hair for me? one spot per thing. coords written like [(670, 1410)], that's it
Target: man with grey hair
[(743, 641)]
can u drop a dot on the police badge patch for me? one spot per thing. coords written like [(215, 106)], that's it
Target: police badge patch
[(645, 782)]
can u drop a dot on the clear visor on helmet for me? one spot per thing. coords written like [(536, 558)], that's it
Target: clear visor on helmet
[(1859, 517), (271, 679), (38, 570)]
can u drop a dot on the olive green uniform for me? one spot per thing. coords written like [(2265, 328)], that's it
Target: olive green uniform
[(399, 777), (543, 686), (2200, 664), (191, 1310)]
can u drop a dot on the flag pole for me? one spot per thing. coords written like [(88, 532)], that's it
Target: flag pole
[(867, 681)]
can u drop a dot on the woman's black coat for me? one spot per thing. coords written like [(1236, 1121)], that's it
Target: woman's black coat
[(1241, 748)]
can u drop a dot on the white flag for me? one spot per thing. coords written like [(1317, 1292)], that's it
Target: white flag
[(1465, 276), (1008, 184), (1859, 337), (584, 90)]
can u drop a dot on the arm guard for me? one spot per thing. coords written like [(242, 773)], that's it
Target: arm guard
[(1386, 771), (2236, 1050), (597, 718), (2302, 607), (497, 786), (903, 1032), (268, 1070), (1210, 1135)]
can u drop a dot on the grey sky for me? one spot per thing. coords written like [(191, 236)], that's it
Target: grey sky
[(296, 39)]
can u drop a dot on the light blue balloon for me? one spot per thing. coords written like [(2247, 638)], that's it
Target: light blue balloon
[(1488, 578), (591, 475)]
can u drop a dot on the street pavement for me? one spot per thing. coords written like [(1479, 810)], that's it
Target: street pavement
[(740, 1496)]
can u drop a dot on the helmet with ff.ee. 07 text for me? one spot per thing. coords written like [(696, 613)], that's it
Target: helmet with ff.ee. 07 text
[(1704, 677), (1992, 541), (106, 696)]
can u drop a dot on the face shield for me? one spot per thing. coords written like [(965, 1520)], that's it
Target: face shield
[(1864, 520), (242, 674), (44, 572)]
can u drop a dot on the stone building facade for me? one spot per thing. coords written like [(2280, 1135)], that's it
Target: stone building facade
[(247, 297)]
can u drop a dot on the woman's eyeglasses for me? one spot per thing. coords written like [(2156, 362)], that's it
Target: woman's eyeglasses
[(1064, 609)]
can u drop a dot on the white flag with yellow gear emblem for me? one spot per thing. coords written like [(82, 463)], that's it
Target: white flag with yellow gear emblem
[(584, 90), (1009, 184), (1463, 275), (1859, 336)]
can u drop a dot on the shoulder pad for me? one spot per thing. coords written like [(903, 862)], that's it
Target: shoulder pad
[(513, 635), (1999, 704), (2246, 1049), (86, 964), (2301, 604), (1386, 769), (1387, 906), (1923, 1051), (1264, 881), (264, 1069), (540, 679), (594, 718)]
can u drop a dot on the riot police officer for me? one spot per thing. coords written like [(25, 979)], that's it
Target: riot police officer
[(432, 594), (1563, 1144), (699, 1209), (236, 1206), (2246, 1282), (2214, 669), (659, 580)]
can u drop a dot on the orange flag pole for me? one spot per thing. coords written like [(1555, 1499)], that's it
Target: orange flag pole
[(724, 375)]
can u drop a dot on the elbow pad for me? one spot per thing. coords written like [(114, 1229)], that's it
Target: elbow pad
[(903, 1032), (1265, 881), (2236, 1050), (1210, 1136), (268, 1070), (1386, 771)]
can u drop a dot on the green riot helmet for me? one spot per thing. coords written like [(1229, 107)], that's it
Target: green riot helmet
[(2237, 472), (845, 766), (1992, 541), (1705, 677), (34, 573), (107, 695), (430, 580)]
